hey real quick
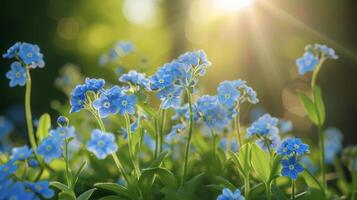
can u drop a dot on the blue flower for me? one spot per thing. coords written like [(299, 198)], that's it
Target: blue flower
[(12, 51), (225, 144), (291, 167), (17, 191), (269, 142), (93, 84), (21, 153), (228, 95), (206, 102), (33, 163), (133, 77), (306, 63), (326, 51), (309, 165), (123, 48), (30, 54), (264, 125), (227, 194), (250, 94), (78, 98), (333, 144), (170, 97), (7, 169), (194, 58), (5, 127), (217, 117), (63, 132), (126, 104), (62, 121), (17, 75), (107, 104), (102, 144), (42, 188), (160, 80), (292, 146), (50, 148)]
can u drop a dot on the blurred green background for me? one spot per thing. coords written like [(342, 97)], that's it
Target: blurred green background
[(257, 42)]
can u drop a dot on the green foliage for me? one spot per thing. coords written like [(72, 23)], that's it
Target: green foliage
[(44, 126)]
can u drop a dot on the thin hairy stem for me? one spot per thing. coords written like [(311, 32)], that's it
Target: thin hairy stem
[(189, 96), (131, 154)]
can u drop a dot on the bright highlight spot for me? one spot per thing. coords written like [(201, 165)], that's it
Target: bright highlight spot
[(141, 12), (231, 5)]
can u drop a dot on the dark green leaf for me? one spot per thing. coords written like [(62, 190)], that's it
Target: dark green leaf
[(319, 103), (78, 173), (309, 108), (112, 197), (157, 162), (59, 186), (44, 126), (116, 188), (86, 195), (165, 176), (67, 195)]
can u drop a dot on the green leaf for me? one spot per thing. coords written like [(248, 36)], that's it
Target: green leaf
[(165, 176), (316, 190), (244, 159), (226, 183), (112, 197), (319, 103), (158, 161), (44, 126), (116, 188), (260, 163), (187, 191), (59, 186), (309, 108), (67, 195), (277, 193), (275, 168), (78, 173), (86, 195)]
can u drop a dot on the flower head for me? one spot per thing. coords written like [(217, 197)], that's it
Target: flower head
[(293, 146), (7, 169), (78, 98), (17, 75), (306, 63), (126, 104), (17, 191), (269, 142), (291, 167), (227, 194), (102, 144), (264, 125), (30, 54), (62, 121), (50, 148), (12, 51), (93, 84), (228, 94), (160, 81), (107, 103), (206, 102), (326, 51), (194, 58), (170, 97), (33, 163), (21, 153), (133, 77), (63, 132), (42, 188)]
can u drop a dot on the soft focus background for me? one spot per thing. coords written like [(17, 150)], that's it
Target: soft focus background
[(258, 41)]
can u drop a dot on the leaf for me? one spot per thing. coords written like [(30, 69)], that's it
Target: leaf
[(316, 190), (86, 195), (116, 188), (260, 163), (226, 183), (277, 193), (319, 103), (244, 159), (309, 107), (187, 191), (67, 195), (112, 197), (44, 126), (275, 168), (157, 162), (165, 176), (78, 173), (59, 186)]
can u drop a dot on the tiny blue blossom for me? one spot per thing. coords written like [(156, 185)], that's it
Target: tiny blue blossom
[(42, 188), (7, 169), (102, 144), (107, 103), (94, 85), (269, 142), (133, 77), (227, 194), (292, 146), (50, 148), (291, 167), (12, 51), (33, 163), (21, 153), (170, 97), (206, 102), (63, 132), (30, 54), (62, 121), (194, 58), (78, 98), (326, 51), (17, 75), (126, 104), (264, 125), (160, 80), (306, 63), (17, 191), (285, 126), (228, 94), (225, 144)]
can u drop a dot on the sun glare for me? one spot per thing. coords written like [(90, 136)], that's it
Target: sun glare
[(231, 5)]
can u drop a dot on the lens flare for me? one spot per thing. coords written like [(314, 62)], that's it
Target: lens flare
[(231, 5)]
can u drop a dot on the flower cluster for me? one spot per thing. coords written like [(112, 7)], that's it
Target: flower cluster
[(333, 144), (120, 50), (312, 56), (136, 79), (233, 93), (227, 194), (27, 56), (266, 130), (226, 144), (291, 148), (11, 187)]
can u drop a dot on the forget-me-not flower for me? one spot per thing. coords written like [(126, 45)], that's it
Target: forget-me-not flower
[(228, 94), (306, 63), (227, 194), (264, 125), (42, 188), (170, 97), (107, 103), (126, 104), (21, 153), (292, 146), (50, 148), (7, 169), (291, 167), (17, 75), (102, 144)]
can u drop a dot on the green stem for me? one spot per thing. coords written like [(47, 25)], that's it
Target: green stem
[(322, 156), (69, 182), (162, 126), (316, 72), (267, 189), (189, 97), (131, 154), (28, 113), (157, 138), (246, 187), (237, 128), (213, 143), (292, 190)]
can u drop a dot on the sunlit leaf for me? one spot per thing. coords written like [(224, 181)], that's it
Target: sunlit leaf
[(44, 126)]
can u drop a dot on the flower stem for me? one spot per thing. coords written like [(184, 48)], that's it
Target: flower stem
[(69, 182), (322, 156), (267, 188), (131, 154), (246, 187), (292, 190), (28, 113), (237, 128), (316, 72), (157, 138), (162, 126), (189, 97)]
